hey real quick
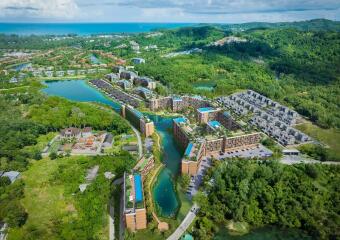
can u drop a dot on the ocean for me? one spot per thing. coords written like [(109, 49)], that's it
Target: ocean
[(83, 29)]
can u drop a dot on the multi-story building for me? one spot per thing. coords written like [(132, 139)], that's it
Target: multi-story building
[(206, 114), (145, 164), (177, 103), (181, 130), (134, 206), (138, 120), (215, 140), (145, 82)]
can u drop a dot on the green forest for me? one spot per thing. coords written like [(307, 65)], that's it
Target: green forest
[(27, 119), (298, 68), (302, 196)]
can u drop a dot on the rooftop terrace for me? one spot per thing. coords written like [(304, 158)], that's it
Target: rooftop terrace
[(206, 109), (138, 188), (214, 124), (180, 120)]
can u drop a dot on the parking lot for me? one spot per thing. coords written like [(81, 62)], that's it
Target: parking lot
[(255, 152), (196, 181)]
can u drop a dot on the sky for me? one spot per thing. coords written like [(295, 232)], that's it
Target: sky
[(197, 11)]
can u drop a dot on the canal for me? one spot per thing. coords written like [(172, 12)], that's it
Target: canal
[(164, 192)]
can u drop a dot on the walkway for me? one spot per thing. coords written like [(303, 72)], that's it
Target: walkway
[(140, 144), (189, 218)]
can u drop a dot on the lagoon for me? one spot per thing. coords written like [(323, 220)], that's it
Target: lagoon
[(164, 193), (78, 90)]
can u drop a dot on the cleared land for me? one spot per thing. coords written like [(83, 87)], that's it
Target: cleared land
[(331, 136)]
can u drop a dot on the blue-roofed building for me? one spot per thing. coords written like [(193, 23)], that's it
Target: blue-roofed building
[(138, 188), (176, 98), (134, 206), (206, 109), (188, 149), (180, 120), (214, 124), (206, 114)]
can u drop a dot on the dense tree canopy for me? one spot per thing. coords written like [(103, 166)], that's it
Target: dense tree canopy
[(304, 196)]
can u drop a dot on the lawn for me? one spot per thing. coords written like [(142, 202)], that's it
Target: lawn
[(43, 202), (331, 136), (55, 206), (186, 204)]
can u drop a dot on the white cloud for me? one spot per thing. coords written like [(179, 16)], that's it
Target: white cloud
[(225, 11), (46, 9)]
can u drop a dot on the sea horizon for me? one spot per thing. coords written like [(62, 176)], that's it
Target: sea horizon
[(84, 29)]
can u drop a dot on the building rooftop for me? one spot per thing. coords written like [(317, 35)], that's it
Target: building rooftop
[(180, 120), (188, 149), (137, 113), (176, 98), (138, 188), (144, 90), (214, 124), (206, 109)]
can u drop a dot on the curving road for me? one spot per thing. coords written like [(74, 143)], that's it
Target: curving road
[(189, 218)]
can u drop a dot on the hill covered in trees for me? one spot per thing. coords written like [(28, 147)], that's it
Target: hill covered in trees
[(290, 196), (298, 68)]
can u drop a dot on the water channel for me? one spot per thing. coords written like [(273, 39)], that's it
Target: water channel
[(164, 192)]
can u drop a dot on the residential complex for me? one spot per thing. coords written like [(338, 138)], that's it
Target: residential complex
[(219, 134), (271, 117), (138, 120), (134, 206)]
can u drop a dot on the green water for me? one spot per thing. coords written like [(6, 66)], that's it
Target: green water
[(164, 193), (205, 86), (78, 90)]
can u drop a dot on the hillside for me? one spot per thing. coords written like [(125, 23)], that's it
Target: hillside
[(310, 25), (298, 68)]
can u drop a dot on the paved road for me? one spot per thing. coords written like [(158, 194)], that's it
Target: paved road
[(189, 218), (301, 159), (140, 144)]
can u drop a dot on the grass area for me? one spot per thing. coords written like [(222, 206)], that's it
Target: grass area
[(42, 140), (331, 136), (55, 206), (186, 204), (120, 141), (43, 202)]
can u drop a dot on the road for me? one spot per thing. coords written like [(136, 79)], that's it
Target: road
[(140, 144), (189, 218), (289, 160)]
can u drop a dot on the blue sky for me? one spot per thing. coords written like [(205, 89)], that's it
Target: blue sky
[(218, 11)]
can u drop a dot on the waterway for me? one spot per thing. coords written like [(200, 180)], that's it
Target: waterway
[(164, 192), (78, 90)]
